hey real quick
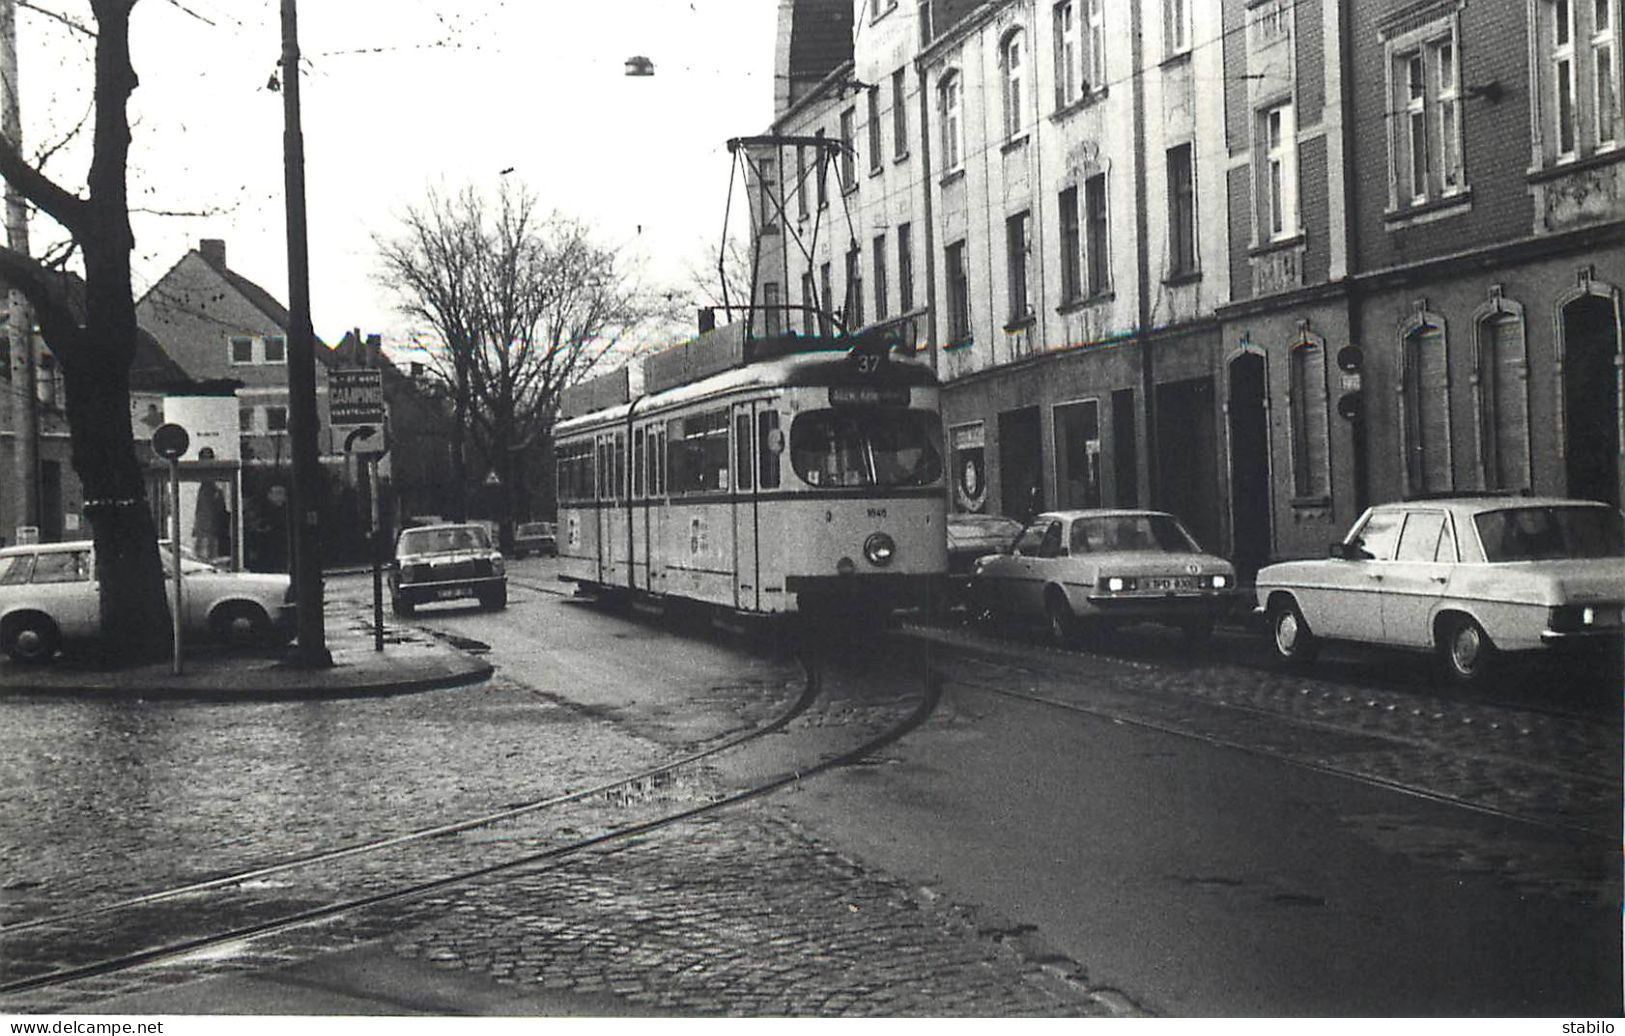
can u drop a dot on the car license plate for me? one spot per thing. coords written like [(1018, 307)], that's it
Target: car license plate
[(448, 594), (1171, 583)]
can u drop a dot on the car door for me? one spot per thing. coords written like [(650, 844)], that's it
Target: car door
[(63, 586), (1348, 603), (1415, 580), (1034, 558)]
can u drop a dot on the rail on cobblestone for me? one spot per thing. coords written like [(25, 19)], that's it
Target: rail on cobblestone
[(542, 859)]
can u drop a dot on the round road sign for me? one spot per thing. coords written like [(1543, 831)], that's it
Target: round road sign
[(169, 441)]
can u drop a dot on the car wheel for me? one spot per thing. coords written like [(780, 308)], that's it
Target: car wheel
[(1063, 625), (1290, 635), (494, 600), (240, 625), (31, 639), (1466, 652)]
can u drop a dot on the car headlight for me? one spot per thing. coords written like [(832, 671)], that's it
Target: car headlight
[(879, 549), (497, 564)]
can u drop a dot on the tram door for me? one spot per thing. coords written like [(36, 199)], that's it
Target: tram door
[(747, 557), (604, 512)]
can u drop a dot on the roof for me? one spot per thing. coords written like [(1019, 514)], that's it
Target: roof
[(46, 548), (1490, 502), (1105, 512)]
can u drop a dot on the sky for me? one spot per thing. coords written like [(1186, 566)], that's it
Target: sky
[(398, 97)]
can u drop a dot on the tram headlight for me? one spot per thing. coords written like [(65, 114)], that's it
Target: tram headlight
[(879, 549)]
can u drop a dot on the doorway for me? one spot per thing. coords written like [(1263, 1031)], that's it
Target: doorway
[(1187, 458), (1591, 391), (1021, 474), (1249, 465)]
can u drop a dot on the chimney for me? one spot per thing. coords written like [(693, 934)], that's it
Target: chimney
[(375, 350), (214, 252)]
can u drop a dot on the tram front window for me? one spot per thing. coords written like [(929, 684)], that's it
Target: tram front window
[(866, 448)]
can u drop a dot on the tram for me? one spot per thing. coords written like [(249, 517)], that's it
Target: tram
[(759, 476)]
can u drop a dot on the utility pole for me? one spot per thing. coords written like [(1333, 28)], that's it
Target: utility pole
[(19, 315), (302, 423)]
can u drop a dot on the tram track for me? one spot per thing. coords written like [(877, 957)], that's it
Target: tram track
[(1286, 727), (77, 929)]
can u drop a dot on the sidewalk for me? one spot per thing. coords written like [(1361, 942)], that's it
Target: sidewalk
[(412, 660)]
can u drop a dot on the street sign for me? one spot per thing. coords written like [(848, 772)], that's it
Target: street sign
[(365, 440), (169, 441), (355, 396)]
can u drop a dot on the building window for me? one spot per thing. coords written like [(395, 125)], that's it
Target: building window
[(1068, 70), (276, 419), (880, 277), (245, 420), (1278, 161), (853, 310), (1176, 26), (1269, 21), (905, 267), (927, 30), (801, 182), (874, 129), (849, 155), (899, 114), (1071, 247), (1503, 402), (1015, 236), (822, 159), (958, 294), (1424, 140), (1425, 380), (772, 318), (1077, 454), (1097, 247), (953, 140), (767, 179), (1012, 68), (1311, 478), (1094, 46), (1181, 210), (827, 296), (276, 349), (1605, 73), (242, 349), (809, 305)]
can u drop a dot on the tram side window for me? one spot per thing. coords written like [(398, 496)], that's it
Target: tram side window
[(575, 471), (767, 443), (659, 461), (619, 490), (638, 457), (742, 466), (697, 453)]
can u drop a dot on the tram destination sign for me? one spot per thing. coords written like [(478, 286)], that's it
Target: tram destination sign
[(355, 396)]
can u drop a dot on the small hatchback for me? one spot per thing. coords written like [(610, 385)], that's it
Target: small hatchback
[(535, 538), (443, 563), (1469, 578)]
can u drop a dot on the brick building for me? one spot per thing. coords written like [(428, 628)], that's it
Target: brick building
[(1259, 262)]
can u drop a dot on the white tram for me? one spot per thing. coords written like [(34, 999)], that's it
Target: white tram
[(798, 478)]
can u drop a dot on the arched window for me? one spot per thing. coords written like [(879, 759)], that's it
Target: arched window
[(1013, 70), (1502, 396), (953, 135), (1311, 452), (1425, 382)]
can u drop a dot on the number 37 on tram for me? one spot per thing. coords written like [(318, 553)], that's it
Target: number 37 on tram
[(810, 481)]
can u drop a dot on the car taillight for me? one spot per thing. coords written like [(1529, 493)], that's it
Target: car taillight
[(1118, 584), (1219, 582), (1569, 618)]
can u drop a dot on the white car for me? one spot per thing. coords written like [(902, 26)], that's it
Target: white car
[(1465, 577), (1088, 571), (48, 598)]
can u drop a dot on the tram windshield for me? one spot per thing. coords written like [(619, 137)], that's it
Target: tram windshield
[(866, 447)]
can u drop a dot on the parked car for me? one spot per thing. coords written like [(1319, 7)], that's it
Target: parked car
[(971, 536), (1089, 571), (48, 599), (536, 538), (445, 562), (1469, 578)]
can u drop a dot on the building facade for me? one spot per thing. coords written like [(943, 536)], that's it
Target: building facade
[(1257, 262)]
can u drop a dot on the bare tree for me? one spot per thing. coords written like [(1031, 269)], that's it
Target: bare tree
[(94, 342), (518, 306)]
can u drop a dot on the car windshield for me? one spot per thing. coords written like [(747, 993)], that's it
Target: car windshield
[(434, 541), (1152, 533), (1543, 533), (866, 447), (1006, 529)]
